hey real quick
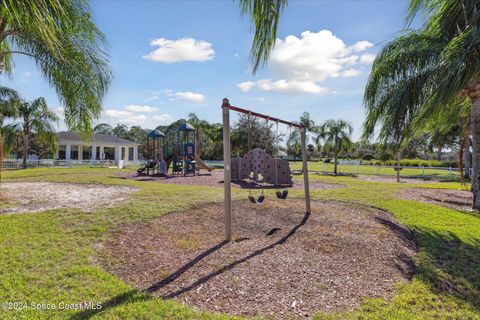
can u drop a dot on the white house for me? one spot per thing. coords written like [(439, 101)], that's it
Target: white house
[(99, 147)]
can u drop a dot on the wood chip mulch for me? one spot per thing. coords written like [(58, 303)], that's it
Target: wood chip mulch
[(283, 263), (215, 179), (454, 199)]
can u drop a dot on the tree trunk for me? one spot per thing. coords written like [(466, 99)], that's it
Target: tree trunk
[(25, 150), (1, 158), (335, 155), (398, 166), (467, 158), (475, 127), (439, 154)]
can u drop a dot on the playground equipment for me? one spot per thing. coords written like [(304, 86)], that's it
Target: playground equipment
[(227, 173), (178, 150), (155, 147), (259, 166), (184, 151)]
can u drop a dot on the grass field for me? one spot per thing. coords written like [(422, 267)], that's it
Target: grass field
[(50, 257), (379, 170)]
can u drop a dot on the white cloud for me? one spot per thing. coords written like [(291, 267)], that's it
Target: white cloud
[(314, 56), (302, 64), (361, 46), (350, 73), (287, 86), (367, 58), (138, 108), (186, 49), (124, 117), (26, 76), (130, 116), (190, 96), (246, 86), (162, 117)]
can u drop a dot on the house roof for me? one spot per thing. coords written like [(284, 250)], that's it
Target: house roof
[(97, 138)]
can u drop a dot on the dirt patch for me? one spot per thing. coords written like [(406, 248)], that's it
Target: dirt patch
[(38, 196), (455, 199), (282, 264), (216, 180), (394, 179)]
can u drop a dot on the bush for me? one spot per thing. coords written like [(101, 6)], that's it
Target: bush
[(328, 160), (421, 163), (367, 157)]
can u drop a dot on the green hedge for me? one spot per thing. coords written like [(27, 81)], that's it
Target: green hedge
[(413, 163)]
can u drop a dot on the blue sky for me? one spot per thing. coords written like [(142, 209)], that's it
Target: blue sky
[(170, 58)]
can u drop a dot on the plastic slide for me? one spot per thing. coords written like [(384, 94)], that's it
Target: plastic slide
[(202, 165)]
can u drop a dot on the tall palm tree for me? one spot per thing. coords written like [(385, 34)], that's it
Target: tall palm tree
[(337, 134), (7, 110), (308, 123), (67, 47), (423, 72), (294, 144), (36, 119), (201, 128)]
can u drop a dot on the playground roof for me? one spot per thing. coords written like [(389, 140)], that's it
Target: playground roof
[(156, 134), (186, 127)]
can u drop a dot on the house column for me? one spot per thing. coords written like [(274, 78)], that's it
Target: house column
[(117, 153), (102, 153), (57, 155), (68, 151), (135, 155), (80, 152), (94, 153)]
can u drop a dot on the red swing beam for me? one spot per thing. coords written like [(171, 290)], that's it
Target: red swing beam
[(268, 118)]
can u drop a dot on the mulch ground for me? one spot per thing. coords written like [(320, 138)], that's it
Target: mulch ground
[(455, 199), (216, 180), (282, 264)]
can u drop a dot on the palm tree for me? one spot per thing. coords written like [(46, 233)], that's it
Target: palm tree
[(201, 127), (265, 16), (60, 36), (423, 72), (7, 110), (336, 133), (36, 119), (294, 144)]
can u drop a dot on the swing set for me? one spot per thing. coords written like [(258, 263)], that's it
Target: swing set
[(227, 172)]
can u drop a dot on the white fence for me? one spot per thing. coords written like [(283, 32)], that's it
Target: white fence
[(17, 164)]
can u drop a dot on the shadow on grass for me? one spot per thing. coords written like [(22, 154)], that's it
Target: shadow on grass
[(447, 264), (131, 296), (451, 266)]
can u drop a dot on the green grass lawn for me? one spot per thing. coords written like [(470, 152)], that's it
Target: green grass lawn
[(381, 170), (50, 257)]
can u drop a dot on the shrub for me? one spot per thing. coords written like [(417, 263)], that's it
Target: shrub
[(328, 160), (367, 157)]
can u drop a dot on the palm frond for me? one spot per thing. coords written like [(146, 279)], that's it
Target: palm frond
[(265, 17)]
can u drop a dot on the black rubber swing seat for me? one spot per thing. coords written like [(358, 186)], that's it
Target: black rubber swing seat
[(260, 199), (282, 194)]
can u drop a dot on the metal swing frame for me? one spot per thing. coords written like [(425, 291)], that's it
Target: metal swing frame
[(227, 172)]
